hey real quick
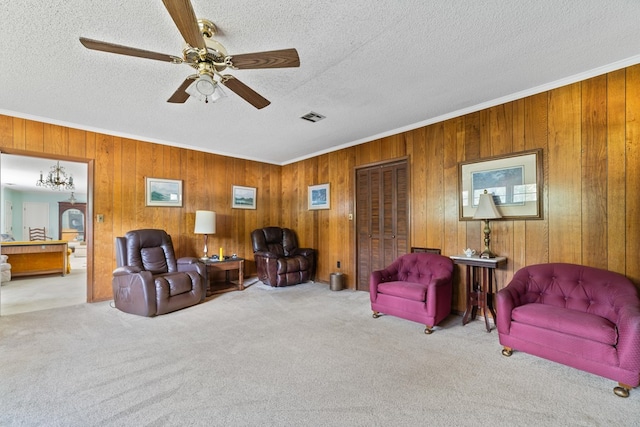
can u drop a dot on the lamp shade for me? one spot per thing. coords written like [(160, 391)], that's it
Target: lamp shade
[(486, 207), (205, 222)]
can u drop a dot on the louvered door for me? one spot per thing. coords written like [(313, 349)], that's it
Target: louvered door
[(381, 217)]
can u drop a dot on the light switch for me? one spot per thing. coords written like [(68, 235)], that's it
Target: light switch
[(100, 218), (350, 217)]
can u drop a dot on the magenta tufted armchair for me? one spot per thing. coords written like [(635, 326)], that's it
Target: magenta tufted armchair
[(583, 317), (415, 287)]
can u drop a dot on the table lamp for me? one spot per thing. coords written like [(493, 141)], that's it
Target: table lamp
[(486, 210), (205, 224)]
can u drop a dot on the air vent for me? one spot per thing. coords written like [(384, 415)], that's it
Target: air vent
[(313, 117)]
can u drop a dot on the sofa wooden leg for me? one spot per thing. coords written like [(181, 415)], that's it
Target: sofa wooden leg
[(507, 351), (428, 330), (622, 390), (376, 314)]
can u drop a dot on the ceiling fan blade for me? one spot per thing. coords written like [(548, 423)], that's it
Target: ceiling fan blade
[(245, 92), (270, 59), (125, 50), (180, 96), (185, 19)]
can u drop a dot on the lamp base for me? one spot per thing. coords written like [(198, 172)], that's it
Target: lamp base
[(487, 254)]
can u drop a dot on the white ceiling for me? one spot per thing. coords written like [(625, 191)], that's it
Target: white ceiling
[(372, 68)]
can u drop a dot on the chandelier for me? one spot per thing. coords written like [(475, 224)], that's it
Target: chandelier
[(57, 179), (72, 199)]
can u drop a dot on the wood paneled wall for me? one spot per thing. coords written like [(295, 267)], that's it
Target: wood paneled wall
[(120, 167), (589, 133), (590, 136)]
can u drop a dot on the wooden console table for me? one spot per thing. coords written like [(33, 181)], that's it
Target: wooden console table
[(226, 265), (479, 285), (36, 257)]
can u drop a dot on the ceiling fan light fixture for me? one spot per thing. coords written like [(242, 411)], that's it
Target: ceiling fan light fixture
[(206, 89), (218, 94), (205, 85), (208, 56)]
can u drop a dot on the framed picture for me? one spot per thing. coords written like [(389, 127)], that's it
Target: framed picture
[(76, 220), (319, 197), (515, 180), (243, 197), (164, 192)]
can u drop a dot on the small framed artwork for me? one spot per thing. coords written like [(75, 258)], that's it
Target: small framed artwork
[(319, 197), (243, 197), (76, 220), (515, 180), (163, 192)]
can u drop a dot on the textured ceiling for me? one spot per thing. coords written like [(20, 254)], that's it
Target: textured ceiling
[(372, 68)]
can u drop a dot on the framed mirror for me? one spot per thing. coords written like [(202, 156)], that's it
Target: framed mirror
[(72, 221)]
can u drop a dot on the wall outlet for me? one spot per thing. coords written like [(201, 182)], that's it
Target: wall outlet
[(338, 263)]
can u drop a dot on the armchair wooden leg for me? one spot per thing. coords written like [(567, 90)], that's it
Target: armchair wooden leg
[(428, 329), (507, 351), (622, 390), (376, 314)]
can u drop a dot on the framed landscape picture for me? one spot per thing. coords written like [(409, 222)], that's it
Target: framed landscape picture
[(243, 197), (163, 192), (515, 180), (319, 197)]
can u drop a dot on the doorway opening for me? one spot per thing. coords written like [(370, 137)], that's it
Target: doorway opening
[(27, 291)]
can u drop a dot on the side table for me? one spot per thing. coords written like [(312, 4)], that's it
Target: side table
[(226, 265), (479, 285)]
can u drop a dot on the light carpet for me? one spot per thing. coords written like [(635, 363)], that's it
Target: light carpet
[(296, 356), (33, 293)]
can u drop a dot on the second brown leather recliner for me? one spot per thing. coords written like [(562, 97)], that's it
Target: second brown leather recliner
[(279, 260)]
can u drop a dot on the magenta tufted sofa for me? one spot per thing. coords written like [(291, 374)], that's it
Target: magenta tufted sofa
[(583, 317), (415, 287)]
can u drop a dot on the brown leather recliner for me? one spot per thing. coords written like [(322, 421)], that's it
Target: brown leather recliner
[(149, 280), (279, 260)]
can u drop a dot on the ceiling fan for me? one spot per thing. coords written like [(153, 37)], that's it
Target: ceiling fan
[(207, 56)]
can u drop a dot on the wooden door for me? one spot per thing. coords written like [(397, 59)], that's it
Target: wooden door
[(7, 227), (35, 215), (382, 217)]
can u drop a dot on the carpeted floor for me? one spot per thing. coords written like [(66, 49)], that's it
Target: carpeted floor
[(33, 293), (297, 356)]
